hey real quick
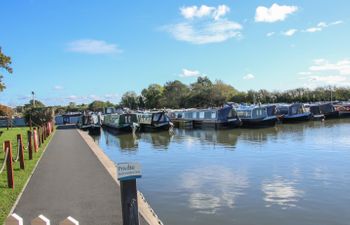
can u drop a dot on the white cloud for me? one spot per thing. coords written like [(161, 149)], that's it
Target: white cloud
[(290, 32), (58, 87), (190, 73), (274, 13), (191, 12), (342, 66), (249, 76), (270, 34), (212, 29), (322, 25), (91, 46), (305, 73)]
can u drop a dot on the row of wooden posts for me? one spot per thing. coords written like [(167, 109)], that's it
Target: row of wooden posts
[(15, 219), (36, 137)]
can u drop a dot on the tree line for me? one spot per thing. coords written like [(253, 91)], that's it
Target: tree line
[(205, 93)]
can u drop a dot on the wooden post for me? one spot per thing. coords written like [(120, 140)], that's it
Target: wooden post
[(69, 221), (130, 211), (9, 165), (40, 220), (21, 150), (42, 134), (39, 136), (30, 145), (14, 219), (35, 139)]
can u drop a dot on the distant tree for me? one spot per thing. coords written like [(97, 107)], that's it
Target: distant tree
[(222, 93), (39, 116), (99, 105), (5, 62), (175, 94), (130, 100), (201, 93), (38, 104), (153, 96), (6, 111)]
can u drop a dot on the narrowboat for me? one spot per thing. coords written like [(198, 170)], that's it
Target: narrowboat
[(214, 118), (257, 116), (121, 123), (343, 109), (154, 121), (329, 111), (315, 110), (296, 113), (90, 122)]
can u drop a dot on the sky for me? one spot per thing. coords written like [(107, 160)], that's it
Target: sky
[(80, 51)]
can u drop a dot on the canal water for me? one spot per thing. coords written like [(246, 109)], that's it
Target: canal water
[(289, 174)]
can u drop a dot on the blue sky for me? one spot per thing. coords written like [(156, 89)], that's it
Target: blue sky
[(84, 50)]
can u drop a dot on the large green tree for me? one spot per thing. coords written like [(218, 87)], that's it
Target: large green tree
[(153, 96), (201, 93), (175, 94), (130, 100), (5, 62)]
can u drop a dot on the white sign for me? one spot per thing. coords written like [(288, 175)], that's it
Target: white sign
[(128, 171)]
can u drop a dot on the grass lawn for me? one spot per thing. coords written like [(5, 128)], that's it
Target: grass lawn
[(7, 195)]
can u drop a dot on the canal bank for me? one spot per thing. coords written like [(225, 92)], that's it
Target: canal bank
[(71, 181)]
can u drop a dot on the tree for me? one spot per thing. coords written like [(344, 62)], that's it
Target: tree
[(153, 96), (99, 105), (39, 116), (38, 104), (6, 111), (201, 93), (130, 100), (5, 62), (222, 93), (175, 94)]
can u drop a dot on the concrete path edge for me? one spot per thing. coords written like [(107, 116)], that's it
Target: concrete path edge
[(145, 209)]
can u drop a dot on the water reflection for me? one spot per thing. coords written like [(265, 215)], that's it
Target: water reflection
[(281, 192), (213, 187)]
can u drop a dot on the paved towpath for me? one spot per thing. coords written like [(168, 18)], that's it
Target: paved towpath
[(71, 181)]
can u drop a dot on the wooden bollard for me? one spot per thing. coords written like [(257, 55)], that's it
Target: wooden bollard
[(21, 150), (35, 139), (9, 165), (30, 144), (42, 134), (14, 219), (40, 220), (39, 136), (69, 221)]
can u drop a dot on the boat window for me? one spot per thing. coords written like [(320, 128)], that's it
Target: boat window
[(259, 112), (194, 115), (156, 116), (201, 115), (232, 113), (213, 115), (207, 115), (188, 115), (244, 114)]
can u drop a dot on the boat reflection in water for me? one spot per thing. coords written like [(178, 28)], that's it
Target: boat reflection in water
[(288, 174)]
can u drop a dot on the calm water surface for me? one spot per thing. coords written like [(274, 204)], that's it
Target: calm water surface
[(289, 174)]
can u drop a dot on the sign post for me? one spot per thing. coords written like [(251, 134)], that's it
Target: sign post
[(127, 174)]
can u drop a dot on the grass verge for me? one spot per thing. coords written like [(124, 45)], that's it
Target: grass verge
[(8, 196)]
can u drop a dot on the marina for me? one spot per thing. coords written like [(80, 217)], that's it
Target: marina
[(295, 173)]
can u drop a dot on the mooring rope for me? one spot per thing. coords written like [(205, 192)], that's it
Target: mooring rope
[(4, 163), (18, 149)]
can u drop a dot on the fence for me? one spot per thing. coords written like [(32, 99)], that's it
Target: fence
[(15, 219), (36, 138)]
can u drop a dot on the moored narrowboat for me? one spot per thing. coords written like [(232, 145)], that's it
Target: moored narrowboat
[(257, 116), (154, 121), (126, 122), (329, 111), (296, 113), (315, 110), (343, 109), (212, 118)]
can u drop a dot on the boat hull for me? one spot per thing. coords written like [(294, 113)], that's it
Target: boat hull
[(332, 115), (118, 130), (155, 127), (203, 124), (296, 118), (259, 123)]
